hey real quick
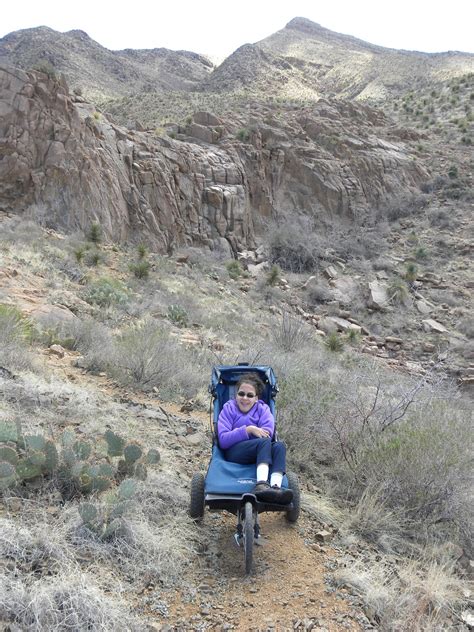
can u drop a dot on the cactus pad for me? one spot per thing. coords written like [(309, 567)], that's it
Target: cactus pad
[(7, 474), (88, 513), (82, 449), (8, 454), (8, 432), (115, 443), (153, 456), (132, 453), (127, 489)]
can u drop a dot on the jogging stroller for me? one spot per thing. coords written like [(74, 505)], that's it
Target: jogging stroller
[(227, 485)]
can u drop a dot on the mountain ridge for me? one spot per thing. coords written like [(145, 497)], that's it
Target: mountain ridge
[(303, 60)]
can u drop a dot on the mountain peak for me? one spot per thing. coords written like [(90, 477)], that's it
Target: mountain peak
[(303, 24)]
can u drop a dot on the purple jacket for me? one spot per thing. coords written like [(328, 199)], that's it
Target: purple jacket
[(232, 422)]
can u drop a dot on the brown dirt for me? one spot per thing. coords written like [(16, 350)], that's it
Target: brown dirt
[(286, 586)]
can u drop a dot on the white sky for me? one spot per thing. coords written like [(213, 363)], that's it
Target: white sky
[(217, 28)]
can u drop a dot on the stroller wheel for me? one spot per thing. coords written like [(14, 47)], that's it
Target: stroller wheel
[(248, 535), (196, 509), (293, 514)]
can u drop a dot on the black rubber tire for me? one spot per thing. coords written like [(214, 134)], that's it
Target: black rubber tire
[(293, 514), (196, 508), (248, 534)]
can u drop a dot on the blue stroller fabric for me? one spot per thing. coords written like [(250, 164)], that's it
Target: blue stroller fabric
[(225, 477)]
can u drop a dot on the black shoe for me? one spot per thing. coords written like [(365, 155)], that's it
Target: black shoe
[(267, 494), (282, 496), (262, 488)]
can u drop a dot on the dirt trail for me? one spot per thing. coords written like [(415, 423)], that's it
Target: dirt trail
[(285, 591)]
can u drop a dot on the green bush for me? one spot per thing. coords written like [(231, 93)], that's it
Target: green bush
[(274, 275), (106, 292), (334, 342), (397, 291), (141, 269), (94, 234), (178, 315), (234, 268), (142, 251), (243, 135)]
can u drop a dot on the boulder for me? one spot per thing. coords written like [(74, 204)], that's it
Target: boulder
[(430, 325), (378, 297), (342, 324), (423, 307)]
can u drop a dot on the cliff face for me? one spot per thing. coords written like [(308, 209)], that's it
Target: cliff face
[(66, 164)]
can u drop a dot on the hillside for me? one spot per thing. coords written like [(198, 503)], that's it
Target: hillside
[(301, 62), (97, 337), (98, 72), (307, 61)]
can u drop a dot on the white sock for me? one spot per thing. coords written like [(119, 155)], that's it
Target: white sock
[(262, 472), (276, 479)]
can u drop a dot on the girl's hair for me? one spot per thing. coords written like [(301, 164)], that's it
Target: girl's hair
[(254, 380)]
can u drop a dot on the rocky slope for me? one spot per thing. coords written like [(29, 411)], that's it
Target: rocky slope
[(306, 61), (99, 72), (68, 165)]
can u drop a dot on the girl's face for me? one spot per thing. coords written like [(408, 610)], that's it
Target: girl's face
[(246, 397)]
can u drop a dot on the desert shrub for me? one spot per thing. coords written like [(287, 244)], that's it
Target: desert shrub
[(106, 292), (94, 234), (293, 244), (274, 275), (243, 135), (16, 332), (178, 315), (141, 269), (142, 353), (397, 291), (93, 258), (234, 268), (142, 251), (405, 440), (72, 600), (404, 206), (317, 294), (79, 253), (291, 333), (411, 272), (353, 337), (334, 342), (146, 356), (423, 594)]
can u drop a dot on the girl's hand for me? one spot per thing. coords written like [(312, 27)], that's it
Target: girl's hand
[(255, 431)]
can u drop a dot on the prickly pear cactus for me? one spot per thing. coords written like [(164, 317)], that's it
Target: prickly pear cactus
[(153, 456), (8, 432), (127, 489), (51, 458), (82, 450), (132, 453), (8, 475), (115, 443), (88, 513), (8, 454)]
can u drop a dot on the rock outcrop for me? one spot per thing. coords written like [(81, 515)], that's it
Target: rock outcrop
[(67, 165)]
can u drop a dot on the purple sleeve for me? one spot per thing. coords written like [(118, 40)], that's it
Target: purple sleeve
[(266, 420), (228, 435)]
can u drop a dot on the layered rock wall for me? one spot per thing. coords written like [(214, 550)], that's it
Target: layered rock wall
[(65, 164)]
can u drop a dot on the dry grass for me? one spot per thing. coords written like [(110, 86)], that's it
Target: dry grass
[(411, 596)]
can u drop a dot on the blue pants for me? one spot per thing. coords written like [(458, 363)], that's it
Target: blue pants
[(259, 451)]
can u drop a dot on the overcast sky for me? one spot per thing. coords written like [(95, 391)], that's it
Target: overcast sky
[(216, 28)]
